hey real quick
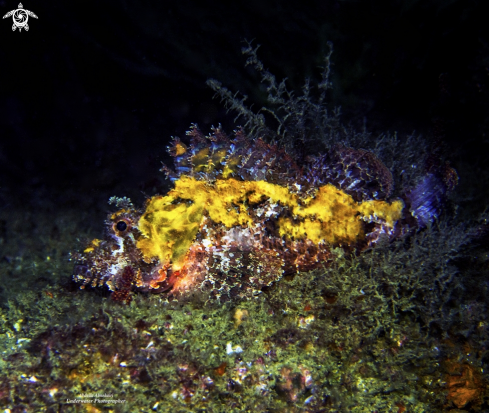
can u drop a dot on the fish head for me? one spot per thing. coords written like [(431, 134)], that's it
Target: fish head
[(103, 261)]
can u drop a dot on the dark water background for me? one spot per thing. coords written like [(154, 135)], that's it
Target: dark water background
[(91, 94)]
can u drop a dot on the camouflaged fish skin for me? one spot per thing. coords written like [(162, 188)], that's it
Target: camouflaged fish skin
[(242, 214)]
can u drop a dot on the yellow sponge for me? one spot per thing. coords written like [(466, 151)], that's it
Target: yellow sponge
[(170, 223)]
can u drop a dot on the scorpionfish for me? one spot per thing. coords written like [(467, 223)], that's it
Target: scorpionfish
[(243, 213)]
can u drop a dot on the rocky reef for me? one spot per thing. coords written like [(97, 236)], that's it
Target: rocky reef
[(300, 266)]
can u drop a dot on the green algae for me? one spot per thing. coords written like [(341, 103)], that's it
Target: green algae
[(336, 339)]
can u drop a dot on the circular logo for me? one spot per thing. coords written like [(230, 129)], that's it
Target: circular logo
[(20, 17)]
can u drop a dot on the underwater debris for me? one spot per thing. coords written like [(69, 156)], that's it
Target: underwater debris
[(243, 213)]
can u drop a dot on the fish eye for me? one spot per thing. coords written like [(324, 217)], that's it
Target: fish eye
[(121, 226)]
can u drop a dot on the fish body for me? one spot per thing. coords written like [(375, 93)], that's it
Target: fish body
[(243, 213)]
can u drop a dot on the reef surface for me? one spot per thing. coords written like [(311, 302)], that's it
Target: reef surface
[(304, 268)]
